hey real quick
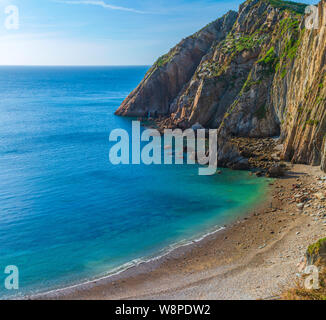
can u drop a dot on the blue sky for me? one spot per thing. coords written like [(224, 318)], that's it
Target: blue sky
[(102, 32)]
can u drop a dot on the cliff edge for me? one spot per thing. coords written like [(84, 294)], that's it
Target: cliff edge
[(254, 74)]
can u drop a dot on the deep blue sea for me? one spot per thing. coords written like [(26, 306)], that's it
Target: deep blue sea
[(67, 214)]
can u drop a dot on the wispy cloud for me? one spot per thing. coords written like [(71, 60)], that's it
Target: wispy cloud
[(101, 4)]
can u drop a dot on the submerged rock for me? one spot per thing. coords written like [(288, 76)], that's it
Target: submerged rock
[(242, 164)]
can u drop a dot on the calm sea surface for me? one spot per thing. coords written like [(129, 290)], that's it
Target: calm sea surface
[(66, 214)]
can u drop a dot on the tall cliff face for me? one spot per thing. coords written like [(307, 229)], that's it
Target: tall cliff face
[(323, 156), (221, 86), (304, 86), (172, 71), (258, 73)]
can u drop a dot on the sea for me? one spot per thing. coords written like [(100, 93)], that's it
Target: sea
[(67, 214)]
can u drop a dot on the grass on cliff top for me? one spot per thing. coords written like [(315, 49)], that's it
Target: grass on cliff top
[(289, 5)]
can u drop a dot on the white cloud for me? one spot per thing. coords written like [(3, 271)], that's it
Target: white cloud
[(101, 4)]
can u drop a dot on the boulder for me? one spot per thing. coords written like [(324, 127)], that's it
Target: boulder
[(276, 171), (242, 164)]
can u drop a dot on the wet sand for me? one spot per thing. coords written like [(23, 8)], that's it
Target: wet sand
[(253, 258)]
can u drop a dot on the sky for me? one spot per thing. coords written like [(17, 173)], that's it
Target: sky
[(101, 32)]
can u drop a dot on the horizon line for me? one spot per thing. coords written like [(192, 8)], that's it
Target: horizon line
[(75, 65)]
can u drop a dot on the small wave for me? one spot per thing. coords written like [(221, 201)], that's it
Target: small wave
[(131, 264)]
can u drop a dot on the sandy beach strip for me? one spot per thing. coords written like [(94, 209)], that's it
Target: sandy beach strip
[(253, 258)]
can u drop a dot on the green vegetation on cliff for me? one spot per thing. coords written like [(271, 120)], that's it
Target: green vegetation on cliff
[(289, 5), (269, 60), (256, 64), (291, 36), (315, 248), (236, 43), (165, 59), (315, 255)]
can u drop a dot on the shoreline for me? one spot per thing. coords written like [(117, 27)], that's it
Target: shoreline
[(177, 247), (133, 264), (253, 258)]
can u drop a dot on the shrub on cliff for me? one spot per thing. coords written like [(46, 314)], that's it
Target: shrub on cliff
[(316, 254)]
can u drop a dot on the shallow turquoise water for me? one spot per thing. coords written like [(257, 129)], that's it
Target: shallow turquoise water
[(67, 214)]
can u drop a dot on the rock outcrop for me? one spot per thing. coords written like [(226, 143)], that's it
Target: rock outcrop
[(323, 159), (257, 73), (304, 126), (317, 252), (171, 72)]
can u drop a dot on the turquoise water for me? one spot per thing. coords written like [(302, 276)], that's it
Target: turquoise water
[(66, 214)]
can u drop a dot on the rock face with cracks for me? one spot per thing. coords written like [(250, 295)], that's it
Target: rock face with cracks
[(255, 74)]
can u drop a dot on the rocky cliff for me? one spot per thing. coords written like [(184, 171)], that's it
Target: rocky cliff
[(257, 73), (171, 72), (304, 87)]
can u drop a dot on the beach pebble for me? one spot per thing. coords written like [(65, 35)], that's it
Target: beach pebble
[(300, 206)]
